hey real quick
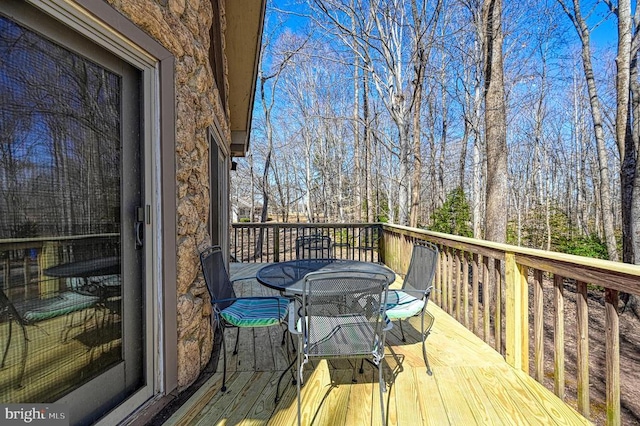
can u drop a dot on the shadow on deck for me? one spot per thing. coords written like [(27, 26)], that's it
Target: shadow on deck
[(471, 383)]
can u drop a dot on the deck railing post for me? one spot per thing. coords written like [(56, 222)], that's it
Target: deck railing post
[(517, 313), (276, 243), (382, 246)]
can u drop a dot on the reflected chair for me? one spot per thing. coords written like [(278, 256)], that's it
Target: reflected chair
[(339, 316), (231, 311), (33, 312), (412, 299), (314, 247), (366, 243)]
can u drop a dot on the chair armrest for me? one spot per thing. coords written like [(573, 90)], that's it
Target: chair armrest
[(388, 327), (242, 279), (418, 294), (233, 299)]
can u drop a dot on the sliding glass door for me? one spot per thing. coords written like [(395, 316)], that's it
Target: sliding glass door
[(71, 219)]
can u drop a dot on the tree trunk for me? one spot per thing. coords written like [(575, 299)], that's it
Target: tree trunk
[(265, 173), (596, 114), (357, 160), (477, 171), (631, 171), (420, 62), (624, 138), (368, 147), (404, 170), (356, 141), (417, 140), (463, 154), (495, 123)]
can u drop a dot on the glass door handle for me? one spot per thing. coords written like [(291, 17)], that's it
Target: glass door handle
[(139, 228)]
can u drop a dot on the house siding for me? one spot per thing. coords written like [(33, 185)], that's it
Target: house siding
[(183, 28)]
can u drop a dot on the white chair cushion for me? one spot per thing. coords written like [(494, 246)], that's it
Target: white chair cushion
[(401, 305)]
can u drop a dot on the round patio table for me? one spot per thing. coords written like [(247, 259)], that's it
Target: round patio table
[(288, 277), (86, 268)]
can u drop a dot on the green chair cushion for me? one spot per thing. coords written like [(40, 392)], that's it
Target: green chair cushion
[(256, 312), (62, 304)]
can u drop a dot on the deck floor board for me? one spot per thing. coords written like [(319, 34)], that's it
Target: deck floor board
[(471, 383)]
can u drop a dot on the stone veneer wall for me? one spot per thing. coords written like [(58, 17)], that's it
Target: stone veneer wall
[(182, 27)]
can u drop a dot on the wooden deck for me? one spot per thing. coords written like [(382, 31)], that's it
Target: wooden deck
[(471, 383)]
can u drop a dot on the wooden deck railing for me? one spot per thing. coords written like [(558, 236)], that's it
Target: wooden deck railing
[(487, 286), (498, 291)]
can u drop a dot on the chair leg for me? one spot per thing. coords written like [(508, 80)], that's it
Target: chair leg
[(293, 345), (224, 360), (235, 348), (424, 347), (282, 376), (24, 355), (6, 348), (299, 384), (402, 331), (426, 360), (284, 338), (383, 389)]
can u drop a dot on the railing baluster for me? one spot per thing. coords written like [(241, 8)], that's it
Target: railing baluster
[(474, 284), (457, 282), (7, 273), (450, 279), (465, 288), (612, 327), (245, 255), (254, 246), (582, 350), (437, 294), (558, 336), (267, 243), (26, 272), (538, 325), (444, 282), (486, 299), (497, 274)]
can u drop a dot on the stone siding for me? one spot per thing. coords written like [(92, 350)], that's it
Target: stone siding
[(182, 27)]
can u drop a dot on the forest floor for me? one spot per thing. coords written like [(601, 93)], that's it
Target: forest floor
[(629, 354)]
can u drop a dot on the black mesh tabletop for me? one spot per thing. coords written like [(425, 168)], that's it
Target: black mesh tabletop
[(288, 277), (86, 268)]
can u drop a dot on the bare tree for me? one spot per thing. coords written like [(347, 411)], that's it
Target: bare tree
[(267, 100), (380, 40), (423, 44), (626, 137), (575, 15), (495, 122)]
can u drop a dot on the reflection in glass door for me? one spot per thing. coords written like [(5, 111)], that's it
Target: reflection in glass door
[(70, 185)]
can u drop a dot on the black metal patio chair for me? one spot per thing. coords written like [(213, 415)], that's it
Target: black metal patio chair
[(341, 315), (231, 311), (30, 314), (314, 247), (412, 299)]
